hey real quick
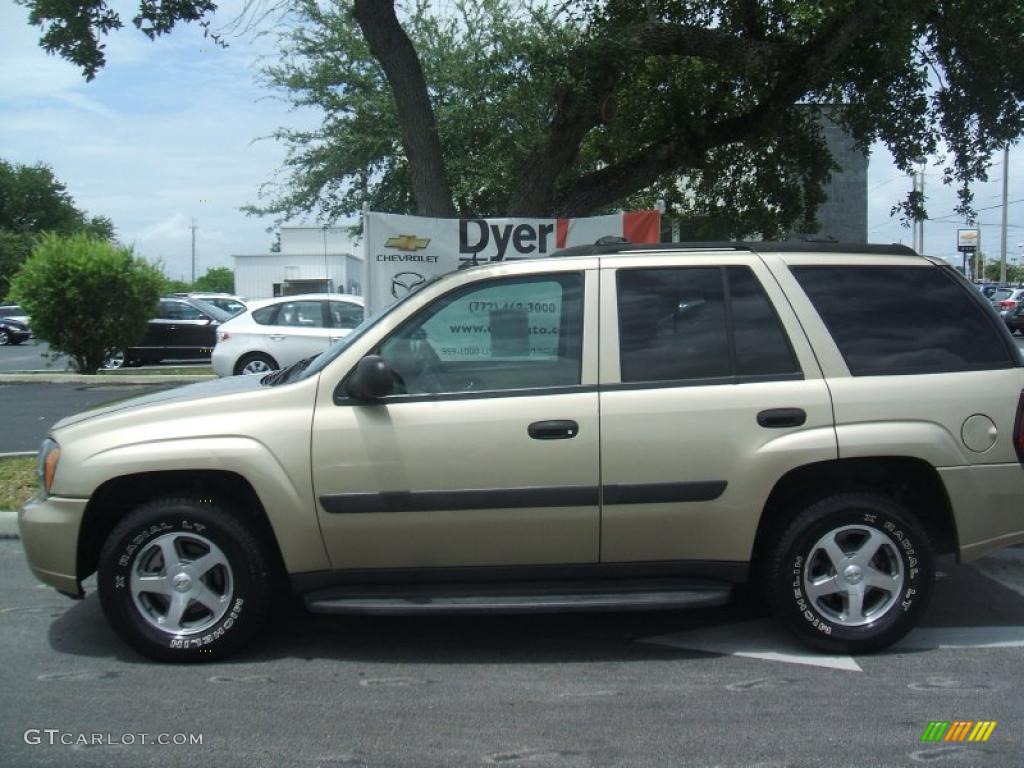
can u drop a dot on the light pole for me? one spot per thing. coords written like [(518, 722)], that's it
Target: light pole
[(327, 274)]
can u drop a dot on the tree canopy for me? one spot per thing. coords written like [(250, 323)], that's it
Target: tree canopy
[(216, 280), (32, 201), (573, 108), (492, 107), (73, 29)]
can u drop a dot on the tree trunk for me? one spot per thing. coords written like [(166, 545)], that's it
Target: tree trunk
[(397, 56)]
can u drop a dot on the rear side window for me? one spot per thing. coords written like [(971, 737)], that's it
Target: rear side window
[(691, 323), (904, 320)]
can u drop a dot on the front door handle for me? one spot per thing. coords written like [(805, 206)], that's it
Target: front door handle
[(276, 337), (559, 429), (776, 418)]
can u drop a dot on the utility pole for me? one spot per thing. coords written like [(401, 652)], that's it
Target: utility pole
[(918, 187), (920, 222), (1002, 242), (327, 272), (194, 228), (913, 232)]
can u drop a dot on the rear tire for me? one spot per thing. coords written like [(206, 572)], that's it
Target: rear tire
[(185, 580), (255, 363), (116, 360), (852, 573)]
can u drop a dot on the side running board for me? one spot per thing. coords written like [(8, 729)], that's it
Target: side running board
[(393, 600)]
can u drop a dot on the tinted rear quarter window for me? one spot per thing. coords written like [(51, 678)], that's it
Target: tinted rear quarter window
[(904, 320)]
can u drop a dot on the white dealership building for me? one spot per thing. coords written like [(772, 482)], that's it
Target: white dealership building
[(312, 259)]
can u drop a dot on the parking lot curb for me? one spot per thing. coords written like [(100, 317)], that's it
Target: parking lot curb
[(8, 525), (101, 379)]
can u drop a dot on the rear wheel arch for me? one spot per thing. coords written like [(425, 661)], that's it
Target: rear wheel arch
[(117, 497), (912, 482)]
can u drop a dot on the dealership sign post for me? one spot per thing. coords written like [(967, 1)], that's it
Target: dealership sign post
[(403, 252), (967, 243)]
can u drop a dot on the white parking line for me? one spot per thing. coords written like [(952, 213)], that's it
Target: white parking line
[(762, 639), (926, 638)]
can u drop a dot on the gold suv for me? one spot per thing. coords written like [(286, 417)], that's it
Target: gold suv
[(614, 426)]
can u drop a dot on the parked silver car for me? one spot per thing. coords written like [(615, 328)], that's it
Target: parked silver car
[(274, 333), (1006, 300)]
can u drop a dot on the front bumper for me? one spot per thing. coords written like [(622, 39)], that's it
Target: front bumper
[(49, 533)]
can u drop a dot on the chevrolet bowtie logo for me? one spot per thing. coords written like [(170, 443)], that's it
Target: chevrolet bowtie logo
[(407, 242)]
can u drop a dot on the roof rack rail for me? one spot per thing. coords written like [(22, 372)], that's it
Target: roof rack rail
[(601, 248)]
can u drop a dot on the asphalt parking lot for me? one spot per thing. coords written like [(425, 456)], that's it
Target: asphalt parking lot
[(29, 356), (702, 688), (27, 411)]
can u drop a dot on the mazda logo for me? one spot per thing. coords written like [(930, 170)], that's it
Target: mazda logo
[(405, 283)]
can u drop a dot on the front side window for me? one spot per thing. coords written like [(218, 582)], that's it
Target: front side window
[(178, 310), (904, 320), (345, 314), (694, 323), (514, 333)]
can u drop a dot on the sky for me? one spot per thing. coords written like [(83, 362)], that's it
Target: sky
[(170, 131)]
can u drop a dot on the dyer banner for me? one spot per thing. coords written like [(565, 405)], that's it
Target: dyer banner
[(403, 252)]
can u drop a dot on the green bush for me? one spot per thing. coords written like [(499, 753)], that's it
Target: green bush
[(87, 296)]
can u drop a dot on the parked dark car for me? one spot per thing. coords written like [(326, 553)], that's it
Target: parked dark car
[(183, 329), (13, 331)]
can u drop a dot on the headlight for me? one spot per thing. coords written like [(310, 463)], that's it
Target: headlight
[(49, 452)]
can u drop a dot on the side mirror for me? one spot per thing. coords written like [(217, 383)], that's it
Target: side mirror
[(372, 379)]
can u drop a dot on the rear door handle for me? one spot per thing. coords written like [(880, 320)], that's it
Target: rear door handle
[(276, 337), (775, 418), (559, 429)]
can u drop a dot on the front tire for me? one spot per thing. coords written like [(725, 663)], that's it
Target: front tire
[(852, 573), (185, 580), (5, 338)]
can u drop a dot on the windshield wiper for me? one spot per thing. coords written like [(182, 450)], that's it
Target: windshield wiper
[(285, 374)]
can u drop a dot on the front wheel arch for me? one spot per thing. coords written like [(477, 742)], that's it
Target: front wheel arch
[(115, 498)]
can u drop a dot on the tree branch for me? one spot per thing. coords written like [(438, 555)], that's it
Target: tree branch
[(803, 69), (578, 111), (397, 56), (736, 54)]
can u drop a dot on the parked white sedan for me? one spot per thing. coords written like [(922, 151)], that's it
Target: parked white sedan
[(274, 333)]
